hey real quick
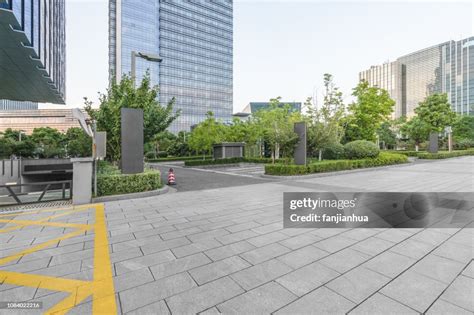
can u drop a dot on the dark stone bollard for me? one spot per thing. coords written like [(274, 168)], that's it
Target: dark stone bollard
[(433, 146), (300, 151)]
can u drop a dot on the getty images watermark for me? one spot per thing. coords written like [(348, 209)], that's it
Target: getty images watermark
[(377, 210)]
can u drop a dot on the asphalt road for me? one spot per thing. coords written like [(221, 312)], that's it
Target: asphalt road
[(188, 179)]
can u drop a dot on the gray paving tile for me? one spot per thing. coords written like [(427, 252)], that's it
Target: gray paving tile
[(441, 307), (268, 228), (460, 293), (320, 301), (229, 250), (469, 270), (358, 284), (218, 269), (153, 308), (414, 290), (360, 234), (412, 248), (236, 237), (210, 311), (152, 292), (264, 253), (262, 300), (203, 297), (344, 260), (198, 237), (380, 304), (308, 278), (160, 246), (179, 265), (143, 261), (303, 256), (194, 248), (242, 226), (132, 279), (260, 274), (372, 246), (394, 235), (430, 236), (438, 268), (335, 243), (266, 239), (451, 250), (300, 241), (389, 264), (180, 233)]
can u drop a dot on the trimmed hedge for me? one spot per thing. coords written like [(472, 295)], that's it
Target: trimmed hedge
[(333, 151), (178, 158), (116, 184), (444, 155), (361, 149), (406, 152), (335, 165), (233, 160)]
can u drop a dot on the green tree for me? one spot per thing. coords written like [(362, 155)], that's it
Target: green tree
[(205, 134), (324, 123), (11, 144), (78, 143), (277, 127), (463, 127), (372, 107), (417, 130), (156, 118), (436, 112), (49, 142), (180, 147), (6, 147), (386, 135)]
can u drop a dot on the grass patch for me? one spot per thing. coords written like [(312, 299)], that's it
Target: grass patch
[(335, 165)]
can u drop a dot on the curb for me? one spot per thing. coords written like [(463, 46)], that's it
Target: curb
[(137, 195)]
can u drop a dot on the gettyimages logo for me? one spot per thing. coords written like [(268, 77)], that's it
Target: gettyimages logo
[(377, 210)]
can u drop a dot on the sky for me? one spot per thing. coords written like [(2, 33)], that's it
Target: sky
[(283, 48)]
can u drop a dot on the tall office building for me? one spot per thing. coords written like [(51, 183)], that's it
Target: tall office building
[(194, 42), (444, 68), (32, 51)]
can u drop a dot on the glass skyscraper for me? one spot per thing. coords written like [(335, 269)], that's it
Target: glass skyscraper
[(33, 54), (194, 40), (444, 68)]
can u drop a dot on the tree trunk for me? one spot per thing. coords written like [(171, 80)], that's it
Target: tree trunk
[(416, 147), (320, 154)]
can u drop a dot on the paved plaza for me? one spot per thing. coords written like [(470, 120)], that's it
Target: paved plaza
[(224, 250)]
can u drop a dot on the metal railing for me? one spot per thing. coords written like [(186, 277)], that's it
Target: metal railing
[(56, 190)]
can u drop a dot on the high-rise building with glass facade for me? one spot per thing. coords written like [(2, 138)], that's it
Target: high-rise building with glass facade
[(444, 68), (194, 41), (33, 51)]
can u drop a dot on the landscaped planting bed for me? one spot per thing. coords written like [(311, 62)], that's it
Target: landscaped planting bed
[(445, 154), (335, 165)]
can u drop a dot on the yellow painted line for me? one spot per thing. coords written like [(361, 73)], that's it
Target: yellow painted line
[(102, 268), (101, 287), (81, 207), (19, 225), (39, 247), (45, 282)]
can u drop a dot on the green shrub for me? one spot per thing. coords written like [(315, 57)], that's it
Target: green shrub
[(361, 149), (333, 151), (463, 144), (335, 165), (150, 155), (162, 154), (116, 184), (445, 154), (405, 152)]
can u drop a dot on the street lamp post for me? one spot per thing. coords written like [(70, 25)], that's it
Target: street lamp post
[(146, 56)]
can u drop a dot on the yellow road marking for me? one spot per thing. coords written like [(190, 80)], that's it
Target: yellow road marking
[(101, 287)]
